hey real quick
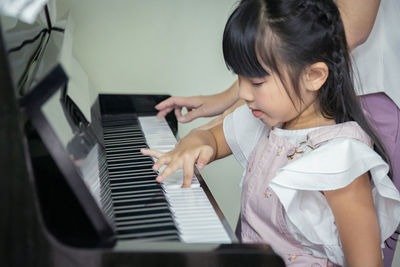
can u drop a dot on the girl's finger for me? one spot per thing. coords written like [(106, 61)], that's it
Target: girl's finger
[(205, 155), (152, 153), (170, 169), (187, 173), (161, 162)]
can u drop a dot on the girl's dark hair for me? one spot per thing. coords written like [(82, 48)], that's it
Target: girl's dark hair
[(295, 34)]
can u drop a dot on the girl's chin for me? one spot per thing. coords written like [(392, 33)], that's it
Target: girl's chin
[(271, 123)]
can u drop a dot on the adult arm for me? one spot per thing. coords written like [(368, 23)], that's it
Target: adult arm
[(358, 17), (357, 223), (219, 120)]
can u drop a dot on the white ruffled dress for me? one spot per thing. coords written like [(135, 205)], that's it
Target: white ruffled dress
[(297, 185)]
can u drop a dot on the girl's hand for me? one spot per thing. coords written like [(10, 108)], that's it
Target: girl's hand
[(191, 150)]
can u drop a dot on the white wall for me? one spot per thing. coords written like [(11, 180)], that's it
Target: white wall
[(159, 46)]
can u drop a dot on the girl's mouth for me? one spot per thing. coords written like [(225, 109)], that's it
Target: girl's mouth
[(256, 113)]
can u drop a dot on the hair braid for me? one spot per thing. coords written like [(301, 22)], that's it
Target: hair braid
[(345, 101), (340, 69)]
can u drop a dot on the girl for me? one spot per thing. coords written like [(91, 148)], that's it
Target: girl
[(314, 189)]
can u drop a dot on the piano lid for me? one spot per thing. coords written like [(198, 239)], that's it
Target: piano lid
[(74, 148)]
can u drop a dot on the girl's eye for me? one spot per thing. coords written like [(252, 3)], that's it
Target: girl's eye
[(257, 84)]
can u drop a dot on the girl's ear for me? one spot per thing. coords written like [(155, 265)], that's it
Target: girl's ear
[(315, 76)]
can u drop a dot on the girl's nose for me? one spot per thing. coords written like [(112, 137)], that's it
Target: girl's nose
[(245, 91)]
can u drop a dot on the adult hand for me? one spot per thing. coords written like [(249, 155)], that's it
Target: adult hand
[(197, 106)]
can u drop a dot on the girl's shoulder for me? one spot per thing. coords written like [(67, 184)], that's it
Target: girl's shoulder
[(340, 151), (346, 130)]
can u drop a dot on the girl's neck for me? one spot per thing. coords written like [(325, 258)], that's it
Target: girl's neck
[(309, 118)]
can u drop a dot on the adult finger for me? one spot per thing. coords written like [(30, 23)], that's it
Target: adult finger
[(162, 113), (174, 101), (193, 114), (179, 116)]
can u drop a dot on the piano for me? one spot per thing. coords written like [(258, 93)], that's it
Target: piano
[(77, 192)]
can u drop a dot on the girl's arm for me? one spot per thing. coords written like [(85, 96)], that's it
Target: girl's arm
[(199, 146), (357, 223)]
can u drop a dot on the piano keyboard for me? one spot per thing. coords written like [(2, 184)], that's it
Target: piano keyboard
[(143, 208)]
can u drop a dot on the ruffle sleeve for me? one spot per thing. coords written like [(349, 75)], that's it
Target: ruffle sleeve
[(299, 183), (242, 132)]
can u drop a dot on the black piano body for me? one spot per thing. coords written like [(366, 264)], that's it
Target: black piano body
[(47, 223)]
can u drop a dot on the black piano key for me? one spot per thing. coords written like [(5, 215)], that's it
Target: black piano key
[(132, 178), (124, 153), (147, 224), (127, 150), (110, 136), (137, 161), (169, 235), (139, 219), (132, 194), (118, 169), (132, 181), (120, 120), (141, 203), (133, 174), (139, 207), (124, 144), (123, 134), (144, 221), (142, 194), (112, 124), (140, 212), (120, 176), (130, 168), (137, 188), (150, 229), (116, 132), (140, 197), (117, 175), (130, 156), (123, 150), (145, 182), (113, 167), (120, 130), (127, 162)]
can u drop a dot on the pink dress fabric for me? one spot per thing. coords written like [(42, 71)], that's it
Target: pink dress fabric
[(263, 217)]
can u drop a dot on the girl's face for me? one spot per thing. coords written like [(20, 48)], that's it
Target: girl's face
[(271, 103)]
